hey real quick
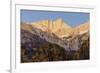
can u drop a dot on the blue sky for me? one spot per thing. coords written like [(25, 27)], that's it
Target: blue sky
[(72, 18)]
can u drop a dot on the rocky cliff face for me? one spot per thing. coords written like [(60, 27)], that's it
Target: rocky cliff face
[(83, 28), (55, 40), (58, 27), (37, 45), (49, 37)]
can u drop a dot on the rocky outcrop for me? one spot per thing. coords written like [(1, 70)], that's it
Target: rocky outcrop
[(58, 27), (44, 42)]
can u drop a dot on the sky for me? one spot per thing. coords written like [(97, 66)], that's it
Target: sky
[(72, 18)]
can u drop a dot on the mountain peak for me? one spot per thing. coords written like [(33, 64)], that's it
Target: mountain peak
[(82, 28), (59, 27)]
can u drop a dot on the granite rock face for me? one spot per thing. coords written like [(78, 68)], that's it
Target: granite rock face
[(39, 45)]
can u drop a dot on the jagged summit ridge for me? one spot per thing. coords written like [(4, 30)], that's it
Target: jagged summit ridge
[(60, 28)]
